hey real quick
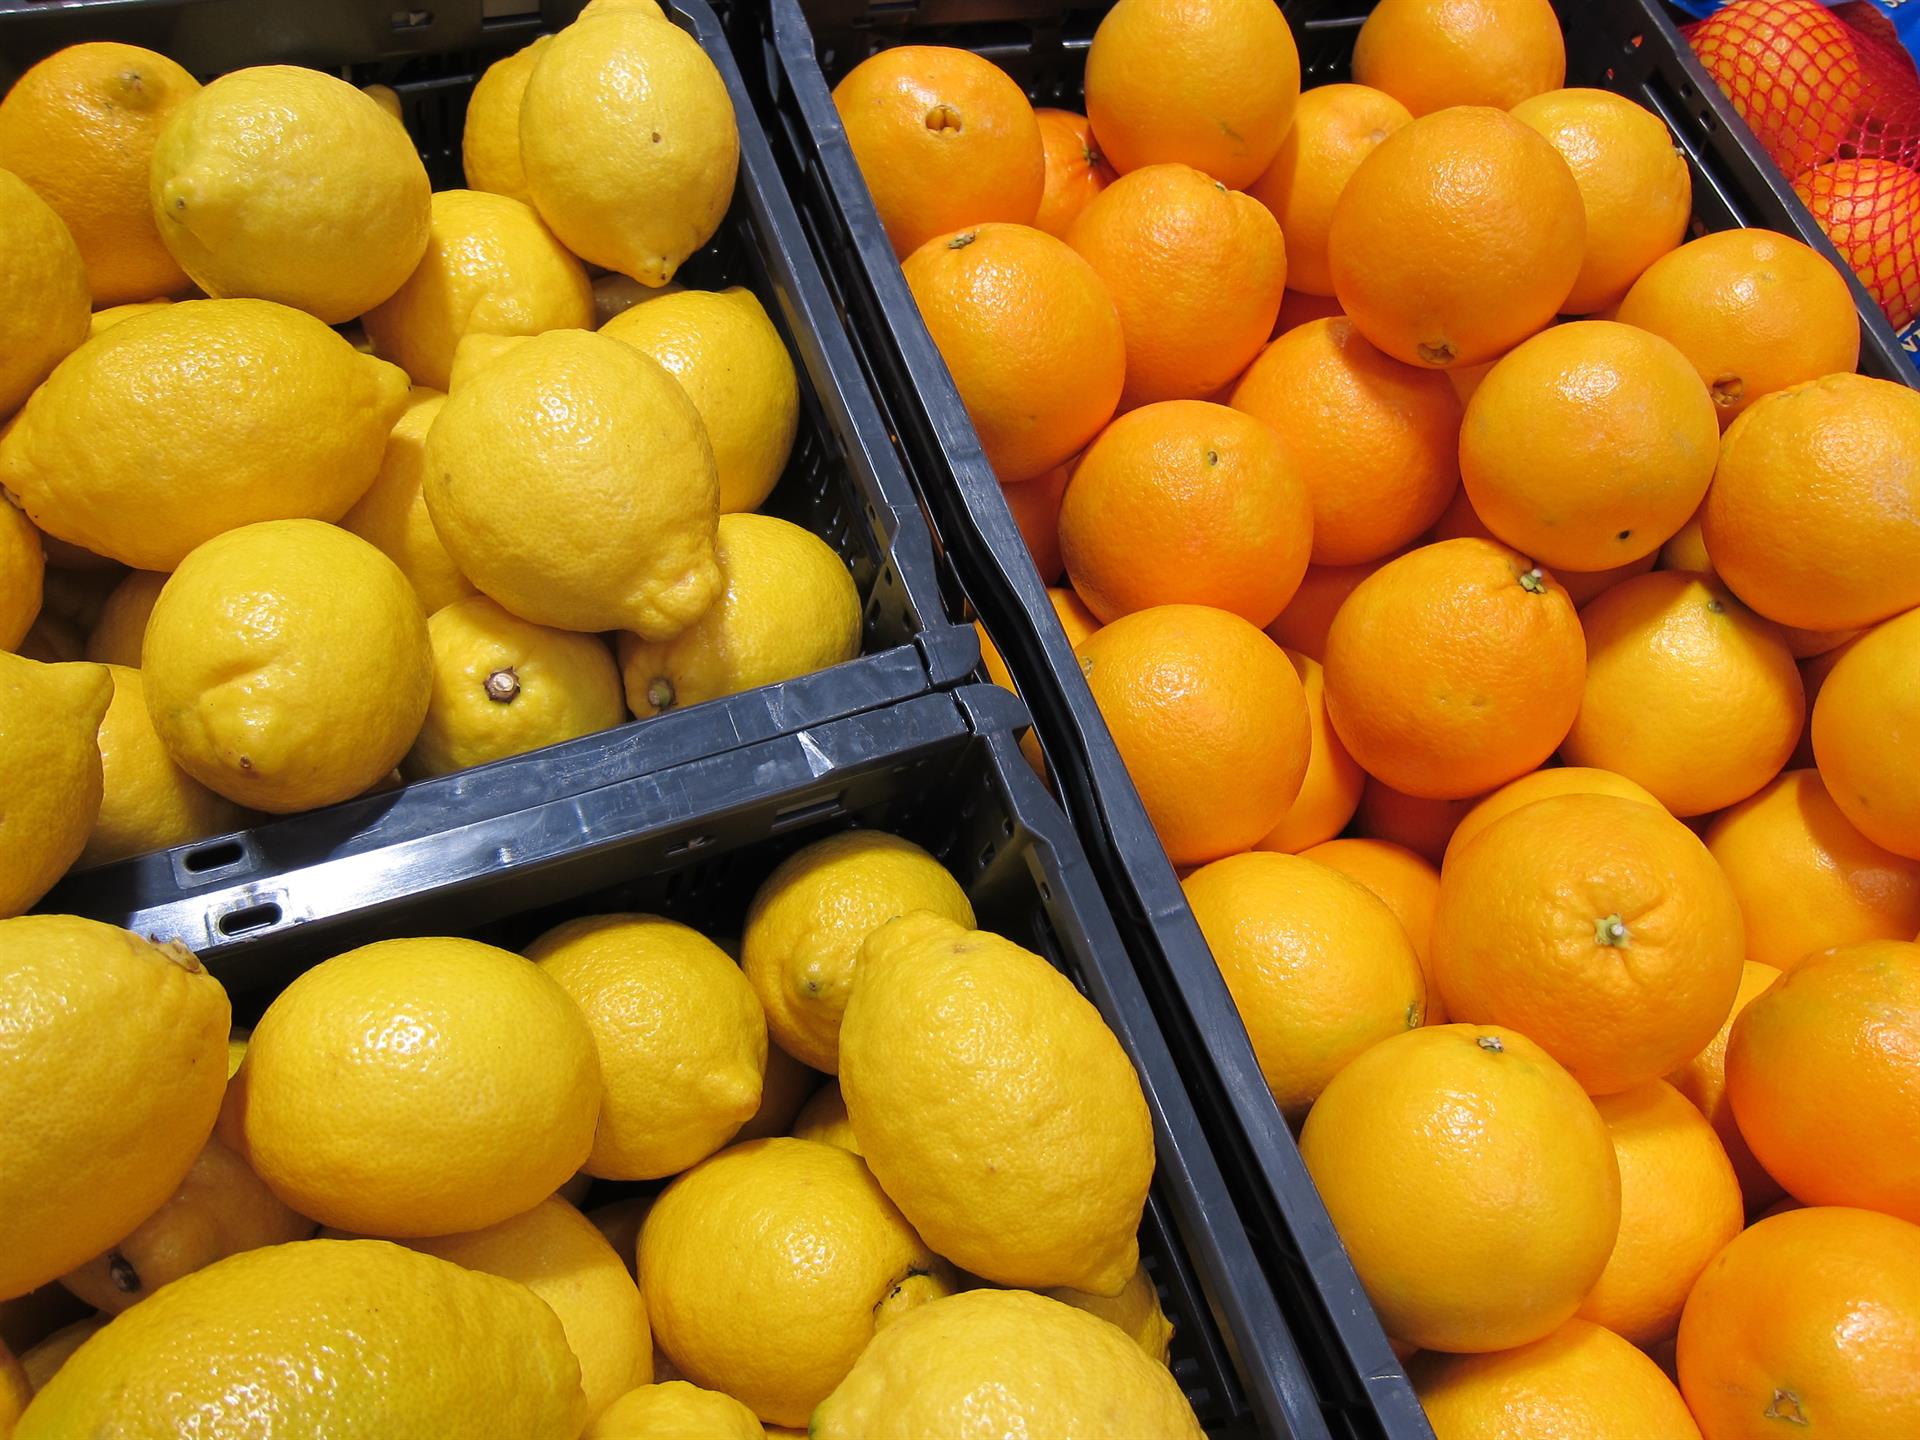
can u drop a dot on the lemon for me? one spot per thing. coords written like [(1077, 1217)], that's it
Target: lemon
[(111, 316), (503, 686), (287, 665), (52, 641), (675, 1411), (768, 1268), (388, 99), (490, 143), (392, 515), (1004, 1362), (602, 7), (113, 1078), (288, 184), (628, 138), (49, 717), (43, 292), (824, 1118), (615, 294), (196, 418), (475, 352), (347, 1339), (121, 629), (958, 1045), (490, 268), (147, 802), (682, 1045), (23, 573), (16, 1390), (1135, 1310), (620, 1222), (783, 1090), (572, 481), (220, 1209), (730, 360), (44, 1360), (418, 1087), (809, 918)]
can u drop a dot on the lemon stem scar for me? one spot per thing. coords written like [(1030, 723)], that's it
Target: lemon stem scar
[(1490, 1042), (179, 954), (1533, 582), (502, 685), (1610, 930), (660, 693)]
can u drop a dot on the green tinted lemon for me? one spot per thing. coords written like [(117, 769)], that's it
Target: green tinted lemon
[(43, 292), (23, 572), (490, 141), (121, 628), (49, 717), (392, 515), (147, 802), (675, 1410)]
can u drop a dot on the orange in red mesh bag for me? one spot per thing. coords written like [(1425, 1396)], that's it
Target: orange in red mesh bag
[(1791, 69), (1870, 209)]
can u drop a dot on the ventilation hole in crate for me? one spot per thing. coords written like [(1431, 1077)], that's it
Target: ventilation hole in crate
[(1046, 892), (412, 19), (212, 857), (806, 814), (249, 918), (987, 852), (694, 844)]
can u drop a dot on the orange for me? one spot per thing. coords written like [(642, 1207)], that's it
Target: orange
[(1409, 886), (1865, 726), (1297, 308), (1458, 237), (1542, 785), (1334, 129), (1430, 54), (1035, 505), (1076, 170), (1075, 619), (1687, 550), (1303, 624), (1755, 311), (1460, 518), (1579, 1383), (79, 127), (1413, 822), (1806, 1325), (1589, 445), (1824, 1074), (1210, 719), (1688, 692), (1703, 1081), (1184, 502), (1870, 210), (1030, 336), (1805, 878), (1319, 968), (1634, 186), (1375, 439), (1598, 926), (1472, 1184), (1454, 669), (944, 141), (1679, 1204), (1195, 270), (1330, 790), (1792, 72), (1208, 83)]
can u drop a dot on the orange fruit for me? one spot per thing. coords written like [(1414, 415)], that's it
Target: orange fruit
[(1688, 692), (1461, 519), (1580, 1381), (1634, 186), (1035, 505), (1454, 669), (1792, 72), (1334, 129), (1542, 785), (1870, 210), (1805, 878), (1076, 170), (1409, 886), (1075, 620), (1297, 308), (1863, 728), (1303, 624), (1211, 721), (1330, 790), (1431, 54), (1413, 822), (1679, 1204), (1589, 445), (1375, 439), (1703, 1081), (1805, 1325), (1184, 502), (1598, 926), (1318, 966), (1814, 515), (1755, 311), (1686, 549), (1471, 1181), (79, 127), (1207, 83), (1458, 237), (1030, 336), (1824, 1074), (1195, 270), (944, 140)]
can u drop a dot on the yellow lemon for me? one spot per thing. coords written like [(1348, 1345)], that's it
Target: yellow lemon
[(287, 665), (768, 1268), (675, 1410), (111, 316), (995, 1362), (620, 1222), (811, 915), (490, 268), (783, 1090), (43, 292), (80, 128), (49, 717), (44, 1360), (121, 629), (418, 1087), (288, 184), (475, 352), (52, 641), (1136, 1310), (23, 573), (681, 1041), (601, 7), (490, 143), (629, 142), (730, 360), (322, 1337), (195, 419), (787, 607), (388, 99), (147, 802), (16, 1390), (113, 1079), (959, 1045), (571, 480), (503, 686), (392, 515), (615, 294), (824, 1118)]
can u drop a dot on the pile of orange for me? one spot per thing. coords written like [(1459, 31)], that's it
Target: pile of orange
[(1508, 615)]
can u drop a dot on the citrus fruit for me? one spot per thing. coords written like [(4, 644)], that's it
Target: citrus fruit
[(1076, 171), (147, 802), (1703, 1081), (1408, 884), (1135, 1311), (1461, 519), (111, 316), (43, 292), (1792, 72), (23, 568), (675, 1410), (783, 1090), (490, 135), (16, 1388), (1867, 206), (392, 515), (1430, 54), (1471, 1181), (1685, 549), (1297, 308), (1035, 505), (824, 1118), (49, 718), (1868, 706), (1330, 789), (1319, 967), (1413, 822), (475, 352), (1540, 785), (1076, 621), (44, 1360), (1303, 624)]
